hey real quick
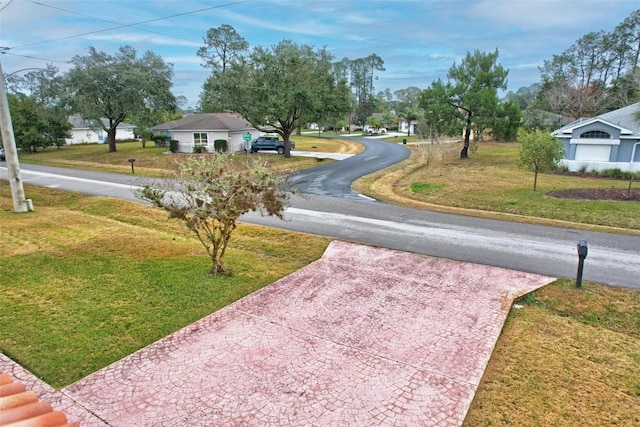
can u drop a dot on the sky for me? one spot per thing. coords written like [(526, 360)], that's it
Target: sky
[(418, 40)]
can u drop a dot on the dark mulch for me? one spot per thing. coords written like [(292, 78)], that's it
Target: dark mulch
[(597, 194)]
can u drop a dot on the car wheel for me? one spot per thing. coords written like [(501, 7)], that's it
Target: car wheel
[(280, 150), (254, 150)]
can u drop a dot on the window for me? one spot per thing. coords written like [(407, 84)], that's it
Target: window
[(595, 134), (200, 139)]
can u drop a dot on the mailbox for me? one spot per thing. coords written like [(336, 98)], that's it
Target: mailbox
[(131, 161), (582, 254), (582, 248)]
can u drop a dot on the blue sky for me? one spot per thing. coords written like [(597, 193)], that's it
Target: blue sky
[(418, 40)]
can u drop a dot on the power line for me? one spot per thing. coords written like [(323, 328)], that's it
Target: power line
[(129, 25), (106, 20), (35, 57), (6, 6)]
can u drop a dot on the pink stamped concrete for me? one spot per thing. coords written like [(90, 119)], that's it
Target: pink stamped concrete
[(362, 337)]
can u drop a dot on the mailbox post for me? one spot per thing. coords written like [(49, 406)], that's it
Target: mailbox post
[(582, 254), (131, 161)]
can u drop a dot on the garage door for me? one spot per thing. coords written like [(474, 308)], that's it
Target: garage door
[(599, 153)]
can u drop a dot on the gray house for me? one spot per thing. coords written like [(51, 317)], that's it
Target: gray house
[(608, 141), (204, 129)]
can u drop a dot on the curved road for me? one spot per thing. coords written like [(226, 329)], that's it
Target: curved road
[(335, 179), (612, 258)]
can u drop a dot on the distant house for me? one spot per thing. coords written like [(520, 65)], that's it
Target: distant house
[(408, 127), (85, 131), (204, 129), (607, 141)]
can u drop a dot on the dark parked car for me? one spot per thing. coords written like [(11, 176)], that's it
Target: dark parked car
[(269, 143)]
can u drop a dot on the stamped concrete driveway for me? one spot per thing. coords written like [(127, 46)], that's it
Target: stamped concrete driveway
[(362, 337)]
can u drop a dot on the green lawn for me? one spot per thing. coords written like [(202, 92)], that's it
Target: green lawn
[(490, 184)]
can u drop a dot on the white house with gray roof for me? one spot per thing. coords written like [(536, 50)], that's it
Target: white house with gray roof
[(607, 141), (88, 132), (203, 129)]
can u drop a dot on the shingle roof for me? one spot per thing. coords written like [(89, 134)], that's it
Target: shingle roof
[(21, 407), (207, 121), (625, 118)]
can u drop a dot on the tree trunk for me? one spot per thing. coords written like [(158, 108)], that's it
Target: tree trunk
[(217, 268), (535, 179), (287, 148), (464, 154), (111, 139)]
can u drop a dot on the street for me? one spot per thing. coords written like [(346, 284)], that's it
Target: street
[(612, 258)]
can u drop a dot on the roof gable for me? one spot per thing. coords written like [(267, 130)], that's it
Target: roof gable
[(207, 122)]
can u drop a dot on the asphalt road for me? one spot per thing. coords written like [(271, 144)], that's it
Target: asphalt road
[(612, 259), (335, 179)]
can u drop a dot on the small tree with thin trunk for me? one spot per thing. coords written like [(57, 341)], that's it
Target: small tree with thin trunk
[(432, 152), (539, 152), (209, 193)]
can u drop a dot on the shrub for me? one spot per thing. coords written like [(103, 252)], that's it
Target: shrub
[(220, 145), (198, 148), (160, 140), (612, 173), (173, 145)]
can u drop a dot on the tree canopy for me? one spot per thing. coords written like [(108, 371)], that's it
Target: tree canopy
[(119, 87), (222, 46), (274, 88), (598, 73)]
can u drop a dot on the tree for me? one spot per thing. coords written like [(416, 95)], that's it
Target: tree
[(274, 88), (473, 90), (539, 152), (595, 74), (407, 98), (222, 46), (507, 121), (524, 96), (119, 87), (360, 74), (431, 153), (36, 126), (40, 116), (209, 193), (440, 116)]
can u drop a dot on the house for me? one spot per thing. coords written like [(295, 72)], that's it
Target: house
[(607, 141), (85, 131), (203, 129), (408, 127)]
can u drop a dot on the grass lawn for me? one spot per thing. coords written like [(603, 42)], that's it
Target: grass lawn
[(490, 184), (87, 280), (152, 161)]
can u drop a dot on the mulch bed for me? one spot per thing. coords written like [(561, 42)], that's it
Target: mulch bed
[(597, 194)]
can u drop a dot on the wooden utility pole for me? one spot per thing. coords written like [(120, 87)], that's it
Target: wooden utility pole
[(20, 203)]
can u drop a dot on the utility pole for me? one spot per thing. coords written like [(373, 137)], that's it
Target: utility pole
[(20, 203)]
